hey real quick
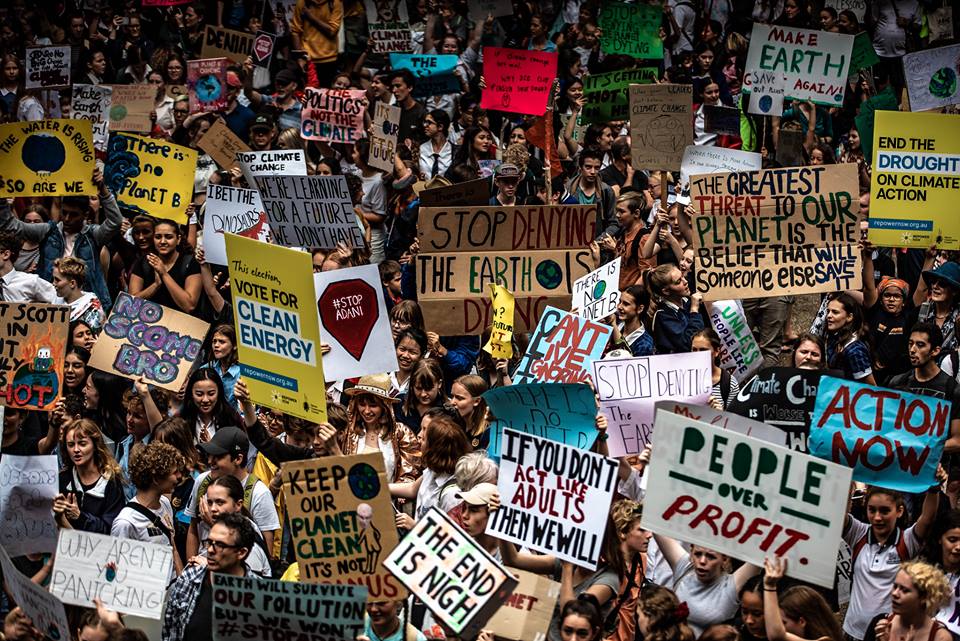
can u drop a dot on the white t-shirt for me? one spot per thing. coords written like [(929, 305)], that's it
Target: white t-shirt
[(131, 524), (709, 603), (261, 508), (389, 457)]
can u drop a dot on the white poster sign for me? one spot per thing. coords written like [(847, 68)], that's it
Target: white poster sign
[(92, 102), (279, 162), (231, 210), (726, 421), (596, 295), (739, 350), (708, 160), (44, 609), (932, 80), (28, 485)]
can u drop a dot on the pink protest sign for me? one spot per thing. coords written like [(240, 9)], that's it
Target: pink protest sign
[(207, 83), (518, 81), (333, 115)]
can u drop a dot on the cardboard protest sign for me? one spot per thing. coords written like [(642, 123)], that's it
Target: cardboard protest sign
[(231, 210), (554, 498), (777, 232), (207, 84), (47, 67), (607, 95), (916, 176), (310, 211), (222, 144), (561, 349), (458, 581), (262, 50), (434, 74), (471, 193), (342, 521), (354, 322), (537, 252), (724, 420), (629, 387), (720, 119), (526, 614), (815, 63), (931, 77), (45, 610), (34, 345), (129, 576), (92, 102), (746, 498), (220, 42), (390, 37), (500, 343), (248, 607), (631, 30), (277, 327), (383, 138), (940, 23), (698, 159), (561, 412), (28, 485), (890, 438), (661, 125), (130, 108), (767, 90), (596, 295), (782, 397), (518, 80), (47, 158), (150, 176), (271, 163), (739, 351), (141, 338), (333, 115)]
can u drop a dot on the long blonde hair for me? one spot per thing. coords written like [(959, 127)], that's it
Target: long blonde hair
[(388, 423), (102, 458)]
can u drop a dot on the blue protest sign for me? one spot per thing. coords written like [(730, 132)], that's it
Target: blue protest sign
[(433, 74), (889, 437), (562, 349), (560, 412)]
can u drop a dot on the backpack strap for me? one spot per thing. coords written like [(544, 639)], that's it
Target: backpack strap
[(154, 519), (248, 486), (725, 384)]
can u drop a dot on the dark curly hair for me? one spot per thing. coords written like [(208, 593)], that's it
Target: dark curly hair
[(153, 461)]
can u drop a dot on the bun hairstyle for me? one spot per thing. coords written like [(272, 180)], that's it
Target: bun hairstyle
[(586, 606)]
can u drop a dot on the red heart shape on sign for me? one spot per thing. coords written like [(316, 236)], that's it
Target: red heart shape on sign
[(348, 311)]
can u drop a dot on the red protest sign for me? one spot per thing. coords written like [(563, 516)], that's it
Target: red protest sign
[(518, 81)]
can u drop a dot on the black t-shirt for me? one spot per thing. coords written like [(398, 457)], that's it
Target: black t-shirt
[(184, 267), (200, 625), (23, 447), (940, 386), (889, 340), (613, 176), (411, 123)]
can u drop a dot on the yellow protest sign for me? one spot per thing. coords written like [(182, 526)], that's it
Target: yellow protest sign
[(150, 176), (916, 177), (278, 331), (47, 158), (500, 344)]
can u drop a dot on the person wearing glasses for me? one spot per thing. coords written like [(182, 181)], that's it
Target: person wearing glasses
[(436, 153), (189, 612)]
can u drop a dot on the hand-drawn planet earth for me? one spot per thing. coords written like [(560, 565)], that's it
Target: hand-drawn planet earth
[(364, 481), (208, 88), (599, 289), (549, 274), (943, 83), (766, 103), (43, 153), (118, 112)]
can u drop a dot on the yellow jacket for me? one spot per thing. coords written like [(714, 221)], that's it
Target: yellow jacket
[(318, 45)]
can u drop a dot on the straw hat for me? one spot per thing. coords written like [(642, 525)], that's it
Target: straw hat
[(375, 384)]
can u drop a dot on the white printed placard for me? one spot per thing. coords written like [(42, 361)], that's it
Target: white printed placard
[(458, 581), (554, 498), (629, 387), (746, 498), (739, 350), (128, 576), (28, 485), (278, 162), (596, 295), (707, 160), (767, 91), (44, 609)]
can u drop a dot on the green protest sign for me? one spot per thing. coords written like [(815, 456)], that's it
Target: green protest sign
[(631, 30), (607, 95)]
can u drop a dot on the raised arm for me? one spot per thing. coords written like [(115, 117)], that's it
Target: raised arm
[(870, 293), (110, 227)]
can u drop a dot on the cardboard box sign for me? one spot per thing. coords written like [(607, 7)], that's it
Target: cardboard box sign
[(525, 615), (457, 579)]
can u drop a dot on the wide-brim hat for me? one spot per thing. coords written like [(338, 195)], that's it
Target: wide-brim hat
[(948, 272), (374, 384)]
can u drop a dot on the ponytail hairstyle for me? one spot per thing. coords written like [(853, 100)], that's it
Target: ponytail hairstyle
[(666, 615), (657, 280), (893, 495), (234, 489)]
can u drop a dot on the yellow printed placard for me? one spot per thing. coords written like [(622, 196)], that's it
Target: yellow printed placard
[(500, 344), (150, 176), (916, 178), (47, 158), (278, 333)]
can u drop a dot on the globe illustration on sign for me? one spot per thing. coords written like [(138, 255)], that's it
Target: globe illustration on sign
[(364, 481), (766, 103), (208, 88), (599, 289), (118, 112), (549, 274), (43, 153), (943, 83)]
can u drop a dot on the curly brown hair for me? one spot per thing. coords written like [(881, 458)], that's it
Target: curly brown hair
[(153, 461)]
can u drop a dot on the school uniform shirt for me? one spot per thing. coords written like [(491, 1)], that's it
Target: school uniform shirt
[(949, 614), (874, 571), (20, 287), (444, 158), (261, 508)]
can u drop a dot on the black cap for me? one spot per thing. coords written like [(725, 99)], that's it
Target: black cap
[(262, 121), (227, 440), (284, 77)]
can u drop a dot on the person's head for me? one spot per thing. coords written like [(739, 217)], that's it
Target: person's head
[(223, 344), (893, 294), (711, 31), (227, 452), (630, 209), (175, 431), (848, 22), (822, 154), (156, 466), (475, 468), (405, 315), (442, 443), (411, 345), (661, 616), (224, 496), (751, 607), (391, 276), (96, 63), (75, 368), (667, 283), (69, 275), (924, 344), (517, 135), (828, 18), (371, 405), (884, 508), (11, 69), (719, 632), (706, 340), (580, 619), (136, 415), (262, 131), (329, 166), (466, 394), (943, 283), (599, 135), (436, 122), (204, 394), (426, 385), (627, 515), (10, 245), (919, 588), (634, 301), (844, 315), (166, 238), (229, 543), (338, 419), (708, 565), (806, 614), (401, 84), (90, 628), (384, 615), (181, 109), (808, 354), (83, 443), (175, 71), (73, 213), (507, 178), (477, 140), (705, 56), (711, 93), (944, 549), (590, 161)]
